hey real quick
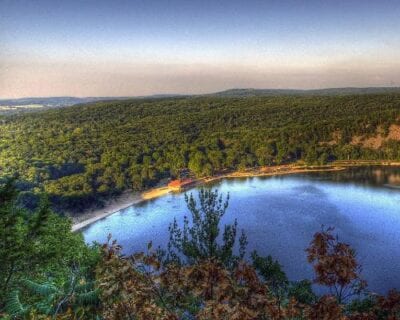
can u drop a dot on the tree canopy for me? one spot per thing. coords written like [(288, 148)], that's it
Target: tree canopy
[(82, 154)]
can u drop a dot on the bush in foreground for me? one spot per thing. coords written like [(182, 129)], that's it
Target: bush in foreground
[(199, 276)]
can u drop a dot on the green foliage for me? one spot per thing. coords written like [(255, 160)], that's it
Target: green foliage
[(271, 272), (14, 307), (83, 154), (361, 305), (302, 292), (37, 245), (45, 289), (46, 298), (201, 237)]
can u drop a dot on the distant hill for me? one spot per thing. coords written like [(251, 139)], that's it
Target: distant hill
[(50, 101), (13, 106), (250, 92), (69, 101)]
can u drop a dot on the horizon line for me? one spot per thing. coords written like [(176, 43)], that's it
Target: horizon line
[(200, 94)]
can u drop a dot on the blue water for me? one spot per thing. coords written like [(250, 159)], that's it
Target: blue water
[(280, 216)]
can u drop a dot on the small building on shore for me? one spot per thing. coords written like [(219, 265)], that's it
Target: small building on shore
[(181, 184)]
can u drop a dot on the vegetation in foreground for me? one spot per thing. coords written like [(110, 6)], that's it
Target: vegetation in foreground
[(83, 154), (47, 272)]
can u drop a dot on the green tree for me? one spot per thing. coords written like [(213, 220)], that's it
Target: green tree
[(36, 244), (201, 236), (76, 296), (271, 272), (265, 155), (197, 162)]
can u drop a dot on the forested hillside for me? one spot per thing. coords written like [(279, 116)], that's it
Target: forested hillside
[(81, 154), (297, 92)]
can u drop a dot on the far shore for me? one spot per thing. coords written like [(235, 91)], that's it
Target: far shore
[(129, 197)]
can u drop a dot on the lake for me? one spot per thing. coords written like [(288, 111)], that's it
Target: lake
[(280, 215)]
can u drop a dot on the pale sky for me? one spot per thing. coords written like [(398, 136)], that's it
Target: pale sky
[(128, 48)]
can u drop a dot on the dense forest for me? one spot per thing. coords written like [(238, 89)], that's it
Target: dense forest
[(204, 273), (82, 154)]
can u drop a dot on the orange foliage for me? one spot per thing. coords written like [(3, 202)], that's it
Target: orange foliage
[(142, 287), (335, 265)]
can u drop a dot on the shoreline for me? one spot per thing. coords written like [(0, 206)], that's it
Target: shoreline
[(129, 198), (125, 200)]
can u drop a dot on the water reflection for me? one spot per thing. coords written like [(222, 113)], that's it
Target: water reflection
[(369, 175), (280, 215)]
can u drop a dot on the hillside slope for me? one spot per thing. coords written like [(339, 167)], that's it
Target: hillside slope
[(250, 92), (86, 152)]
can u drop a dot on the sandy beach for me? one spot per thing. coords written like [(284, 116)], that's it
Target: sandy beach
[(129, 197), (123, 201)]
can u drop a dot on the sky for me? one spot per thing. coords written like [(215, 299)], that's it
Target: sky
[(130, 48)]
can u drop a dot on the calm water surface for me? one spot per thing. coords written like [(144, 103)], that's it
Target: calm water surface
[(281, 214)]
